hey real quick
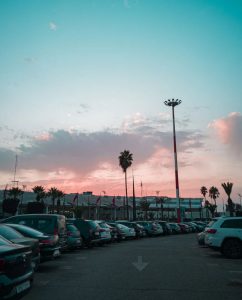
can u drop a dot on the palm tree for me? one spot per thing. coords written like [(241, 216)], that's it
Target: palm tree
[(228, 190), (15, 192), (204, 192), (144, 206), (11, 203), (211, 207), (214, 194), (40, 192), (53, 193), (60, 195), (125, 161)]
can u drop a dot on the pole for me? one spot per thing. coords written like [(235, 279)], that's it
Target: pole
[(134, 203), (174, 103), (176, 167)]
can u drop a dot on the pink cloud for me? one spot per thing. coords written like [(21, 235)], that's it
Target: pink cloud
[(228, 131)]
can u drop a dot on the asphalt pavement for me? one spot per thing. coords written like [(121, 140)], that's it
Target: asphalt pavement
[(167, 267)]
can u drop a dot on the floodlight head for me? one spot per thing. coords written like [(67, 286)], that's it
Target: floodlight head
[(173, 102)]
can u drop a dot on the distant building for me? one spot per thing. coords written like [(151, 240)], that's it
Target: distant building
[(113, 207)]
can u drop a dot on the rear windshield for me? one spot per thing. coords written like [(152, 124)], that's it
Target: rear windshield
[(71, 228), (212, 222), (92, 224), (46, 225), (4, 242), (27, 230), (9, 233), (103, 225)]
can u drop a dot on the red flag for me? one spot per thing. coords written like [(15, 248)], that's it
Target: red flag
[(98, 200), (75, 198)]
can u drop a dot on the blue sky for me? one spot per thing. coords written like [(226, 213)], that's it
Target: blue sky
[(103, 68)]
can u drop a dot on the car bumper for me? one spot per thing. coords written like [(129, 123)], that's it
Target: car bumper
[(10, 288)]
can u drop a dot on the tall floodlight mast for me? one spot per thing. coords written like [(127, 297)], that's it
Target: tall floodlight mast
[(173, 103)]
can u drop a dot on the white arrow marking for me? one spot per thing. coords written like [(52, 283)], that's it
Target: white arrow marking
[(140, 265)]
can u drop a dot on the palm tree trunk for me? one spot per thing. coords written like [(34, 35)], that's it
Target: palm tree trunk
[(126, 194)]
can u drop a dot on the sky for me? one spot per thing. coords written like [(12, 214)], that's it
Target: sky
[(83, 80)]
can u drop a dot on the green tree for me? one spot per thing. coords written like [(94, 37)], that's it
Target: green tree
[(11, 202), (144, 206), (228, 190), (211, 207), (214, 194), (204, 192), (40, 192), (53, 193), (60, 195), (125, 161)]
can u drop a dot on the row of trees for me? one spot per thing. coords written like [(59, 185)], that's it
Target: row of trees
[(214, 193), (14, 196)]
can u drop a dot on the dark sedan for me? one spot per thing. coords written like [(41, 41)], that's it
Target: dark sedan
[(49, 247), (17, 238), (16, 272)]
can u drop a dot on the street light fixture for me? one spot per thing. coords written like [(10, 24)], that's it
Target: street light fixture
[(173, 103)]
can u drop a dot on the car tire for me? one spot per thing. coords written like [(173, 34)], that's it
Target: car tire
[(232, 248)]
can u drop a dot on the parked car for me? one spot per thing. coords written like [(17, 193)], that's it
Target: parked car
[(185, 228), (51, 224), (17, 238), (200, 225), (16, 272), (151, 228), (120, 232), (105, 232), (89, 230), (225, 234), (192, 226), (166, 227), (129, 232), (201, 238), (137, 228), (48, 245), (74, 239), (175, 228), (114, 232)]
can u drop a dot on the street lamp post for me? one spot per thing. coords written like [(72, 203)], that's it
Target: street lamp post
[(173, 103)]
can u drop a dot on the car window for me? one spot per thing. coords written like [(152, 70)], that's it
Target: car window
[(71, 227), (44, 224), (9, 233), (27, 230), (232, 223), (4, 242)]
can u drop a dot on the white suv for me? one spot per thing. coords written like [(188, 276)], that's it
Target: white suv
[(225, 234)]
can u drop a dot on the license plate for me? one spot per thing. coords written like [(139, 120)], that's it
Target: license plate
[(22, 287), (56, 253)]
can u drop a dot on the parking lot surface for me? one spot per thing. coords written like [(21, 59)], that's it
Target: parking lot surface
[(170, 267)]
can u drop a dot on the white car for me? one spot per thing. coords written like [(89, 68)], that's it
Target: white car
[(105, 231), (129, 232), (225, 234)]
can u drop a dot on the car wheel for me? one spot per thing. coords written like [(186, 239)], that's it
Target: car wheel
[(232, 248)]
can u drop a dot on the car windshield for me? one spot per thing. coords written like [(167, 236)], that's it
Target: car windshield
[(212, 222), (71, 227), (25, 230), (9, 233), (4, 242), (103, 225)]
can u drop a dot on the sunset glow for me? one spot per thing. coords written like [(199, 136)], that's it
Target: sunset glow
[(83, 80)]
